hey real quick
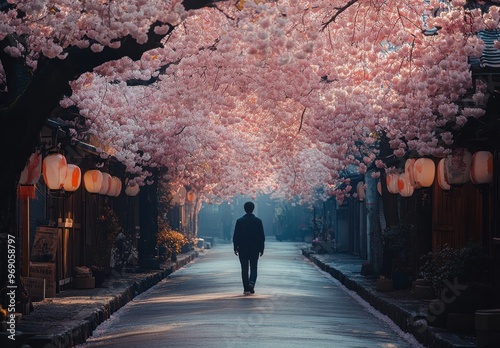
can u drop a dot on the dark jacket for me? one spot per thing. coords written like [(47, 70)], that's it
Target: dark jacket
[(248, 235)]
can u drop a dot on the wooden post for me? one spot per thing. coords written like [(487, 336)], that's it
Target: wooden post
[(25, 226)]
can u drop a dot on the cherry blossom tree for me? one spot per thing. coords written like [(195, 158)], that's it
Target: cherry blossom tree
[(241, 96), (278, 96), (46, 44)]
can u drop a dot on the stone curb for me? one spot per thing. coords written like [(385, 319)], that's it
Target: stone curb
[(406, 320), (79, 333)]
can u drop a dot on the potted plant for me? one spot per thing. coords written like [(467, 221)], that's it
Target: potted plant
[(398, 254), (107, 229), (124, 253), (170, 243), (459, 278)]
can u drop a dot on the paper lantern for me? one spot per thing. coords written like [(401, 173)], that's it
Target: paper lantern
[(178, 196), (73, 178), (457, 167), (32, 171), (379, 188), (361, 191), (424, 171), (409, 167), (116, 187), (441, 176), (404, 187), (191, 196), (481, 171), (107, 182), (54, 170), (392, 182), (132, 189), (92, 180)]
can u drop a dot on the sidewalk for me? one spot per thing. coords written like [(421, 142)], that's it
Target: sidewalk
[(400, 306), (69, 318)]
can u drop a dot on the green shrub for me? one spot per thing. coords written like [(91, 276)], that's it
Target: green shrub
[(467, 264)]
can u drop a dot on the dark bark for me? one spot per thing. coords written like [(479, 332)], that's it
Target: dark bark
[(32, 97), (148, 217)]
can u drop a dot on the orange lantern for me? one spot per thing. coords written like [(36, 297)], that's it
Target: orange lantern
[(441, 176), (191, 196), (132, 189), (361, 191), (404, 187), (32, 171), (92, 180), (392, 182), (107, 182), (409, 165), (424, 171), (73, 178), (481, 171), (457, 167), (116, 187), (379, 188), (54, 170)]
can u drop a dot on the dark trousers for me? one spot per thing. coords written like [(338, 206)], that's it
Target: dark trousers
[(248, 261)]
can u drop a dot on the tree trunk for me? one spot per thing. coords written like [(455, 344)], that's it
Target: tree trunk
[(148, 217), (373, 224)]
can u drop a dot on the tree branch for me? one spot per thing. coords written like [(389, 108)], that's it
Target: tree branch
[(339, 11)]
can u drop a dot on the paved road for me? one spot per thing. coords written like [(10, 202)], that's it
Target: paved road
[(202, 305)]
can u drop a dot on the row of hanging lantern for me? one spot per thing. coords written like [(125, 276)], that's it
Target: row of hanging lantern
[(96, 181), (59, 175), (454, 169)]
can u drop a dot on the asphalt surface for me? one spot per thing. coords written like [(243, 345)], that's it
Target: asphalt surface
[(202, 305)]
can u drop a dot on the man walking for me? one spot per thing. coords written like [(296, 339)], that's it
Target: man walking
[(248, 243)]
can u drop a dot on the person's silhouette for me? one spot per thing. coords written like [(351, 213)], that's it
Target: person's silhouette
[(248, 243)]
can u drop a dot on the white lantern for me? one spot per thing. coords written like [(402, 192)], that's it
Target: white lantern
[(457, 167), (361, 191), (441, 176), (31, 173), (132, 189), (182, 195), (178, 196), (481, 171), (392, 182), (106, 184), (92, 180), (73, 178), (424, 171), (54, 170), (404, 187)]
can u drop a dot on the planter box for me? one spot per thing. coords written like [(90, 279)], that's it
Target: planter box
[(488, 327), (384, 285), (83, 283)]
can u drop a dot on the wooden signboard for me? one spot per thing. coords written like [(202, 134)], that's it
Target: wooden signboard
[(35, 287), (45, 245), (47, 271)]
